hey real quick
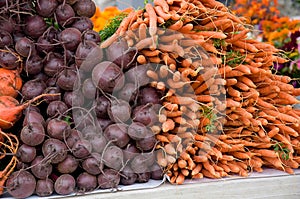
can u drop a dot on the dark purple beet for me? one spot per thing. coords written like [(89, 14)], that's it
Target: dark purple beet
[(58, 129), (20, 184), (88, 55), (86, 182), (24, 46), (85, 8), (91, 35), (88, 89), (55, 149), (53, 64), (73, 98), (68, 165), (41, 168), (35, 26), (102, 104), (130, 151), (44, 187), (67, 79), (143, 177), (5, 39), (26, 153), (128, 92), (70, 38), (65, 184), (33, 134), (82, 148), (137, 131), (93, 164), (145, 114), (104, 123), (33, 88), (117, 133), (83, 24), (64, 14), (9, 59), (157, 172), (56, 108), (34, 65), (128, 177), (74, 136), (108, 77), (46, 8), (110, 178), (149, 95), (32, 116), (52, 90)]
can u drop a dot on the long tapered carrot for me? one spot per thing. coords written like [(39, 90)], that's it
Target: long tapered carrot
[(152, 19)]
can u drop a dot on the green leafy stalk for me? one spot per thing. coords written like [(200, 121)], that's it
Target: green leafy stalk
[(111, 27)]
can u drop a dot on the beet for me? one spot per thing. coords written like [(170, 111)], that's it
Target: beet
[(93, 165), (70, 38), (32, 116), (113, 157), (5, 39), (85, 8), (74, 136), (137, 131), (88, 89), (156, 172), (73, 98), (44, 187), (46, 8), (55, 149), (52, 90), (88, 55), (56, 108), (67, 79), (91, 35), (139, 164), (35, 26), (24, 46), (33, 88), (58, 129), (34, 65), (138, 75), (9, 59), (110, 178), (20, 184), (64, 14), (102, 105), (149, 95), (33, 134), (117, 133), (65, 184), (108, 77), (53, 64), (26, 153), (119, 111), (146, 143), (130, 152), (83, 24), (128, 177), (145, 114), (103, 123), (68, 165), (98, 143), (41, 168), (128, 92), (143, 177), (82, 148), (86, 182)]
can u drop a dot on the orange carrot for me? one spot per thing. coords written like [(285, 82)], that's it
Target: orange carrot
[(161, 13), (168, 125), (163, 4), (176, 26), (152, 19)]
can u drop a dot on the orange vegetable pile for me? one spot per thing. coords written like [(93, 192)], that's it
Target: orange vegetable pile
[(203, 134), (100, 18)]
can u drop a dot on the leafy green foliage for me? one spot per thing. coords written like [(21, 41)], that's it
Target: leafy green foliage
[(233, 58), (283, 152), (111, 27)]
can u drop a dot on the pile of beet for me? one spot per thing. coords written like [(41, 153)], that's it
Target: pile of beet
[(94, 132)]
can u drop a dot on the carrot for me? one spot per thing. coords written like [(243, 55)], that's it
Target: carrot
[(109, 41), (145, 43), (11, 110), (196, 170), (187, 28), (238, 36), (161, 13), (176, 26), (142, 31), (231, 81), (163, 4), (162, 138), (281, 116), (180, 179), (232, 103), (182, 163), (10, 82), (274, 161), (152, 19), (141, 59), (245, 45), (168, 125)]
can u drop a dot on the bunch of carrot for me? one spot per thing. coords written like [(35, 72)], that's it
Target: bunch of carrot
[(224, 112)]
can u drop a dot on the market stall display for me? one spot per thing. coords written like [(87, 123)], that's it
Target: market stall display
[(174, 88)]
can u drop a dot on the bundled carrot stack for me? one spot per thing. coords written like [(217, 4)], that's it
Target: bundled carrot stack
[(224, 112)]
